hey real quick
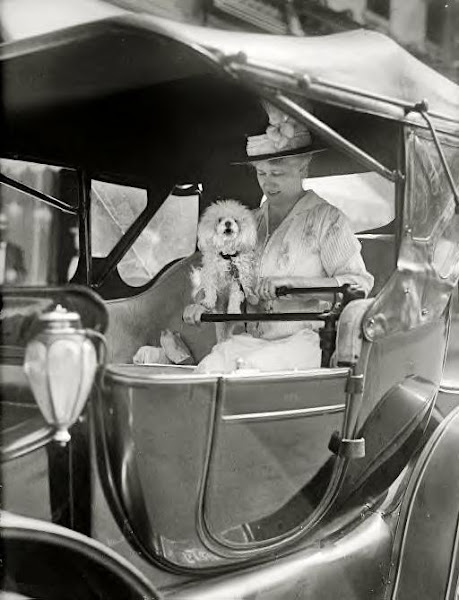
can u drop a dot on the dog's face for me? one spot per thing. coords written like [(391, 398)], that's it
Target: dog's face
[(227, 227)]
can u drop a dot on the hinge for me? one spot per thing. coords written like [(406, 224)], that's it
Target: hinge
[(354, 384), (345, 447)]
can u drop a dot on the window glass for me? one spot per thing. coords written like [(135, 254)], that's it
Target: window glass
[(113, 210), (367, 199), (380, 7), (432, 196), (33, 235), (171, 233), (431, 211)]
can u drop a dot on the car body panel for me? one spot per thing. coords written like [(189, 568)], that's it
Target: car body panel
[(163, 449)]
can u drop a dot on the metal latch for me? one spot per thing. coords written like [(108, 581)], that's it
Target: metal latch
[(345, 447), (354, 384)]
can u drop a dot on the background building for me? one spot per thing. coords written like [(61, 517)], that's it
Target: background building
[(429, 29)]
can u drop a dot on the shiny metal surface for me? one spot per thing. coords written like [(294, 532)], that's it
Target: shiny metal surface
[(143, 427), (241, 487), (259, 471), (35, 548), (329, 569), (152, 438), (280, 415), (60, 364), (428, 263), (426, 543), (23, 428)]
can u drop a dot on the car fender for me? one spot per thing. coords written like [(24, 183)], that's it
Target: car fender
[(425, 552)]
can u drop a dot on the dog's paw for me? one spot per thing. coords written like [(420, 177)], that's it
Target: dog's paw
[(192, 314), (252, 298)]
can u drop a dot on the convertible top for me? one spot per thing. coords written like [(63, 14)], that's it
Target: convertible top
[(109, 80), (357, 67)]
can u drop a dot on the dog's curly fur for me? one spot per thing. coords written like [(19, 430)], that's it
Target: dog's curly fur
[(227, 237)]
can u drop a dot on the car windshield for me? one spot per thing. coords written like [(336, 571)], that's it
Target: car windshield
[(169, 235)]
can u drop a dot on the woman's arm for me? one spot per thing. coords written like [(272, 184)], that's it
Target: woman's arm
[(355, 272), (267, 286), (340, 252)]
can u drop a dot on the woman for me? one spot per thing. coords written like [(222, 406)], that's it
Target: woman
[(303, 241)]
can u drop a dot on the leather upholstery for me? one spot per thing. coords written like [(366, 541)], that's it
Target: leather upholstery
[(138, 321)]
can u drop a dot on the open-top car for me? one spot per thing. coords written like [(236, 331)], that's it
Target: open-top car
[(118, 129)]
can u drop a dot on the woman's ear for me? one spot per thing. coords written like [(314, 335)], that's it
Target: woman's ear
[(304, 165)]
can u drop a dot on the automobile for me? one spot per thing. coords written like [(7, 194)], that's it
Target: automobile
[(124, 480)]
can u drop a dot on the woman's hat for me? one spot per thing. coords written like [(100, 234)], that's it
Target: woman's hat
[(284, 137)]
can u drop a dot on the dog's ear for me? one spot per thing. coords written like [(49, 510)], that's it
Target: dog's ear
[(205, 236), (206, 230)]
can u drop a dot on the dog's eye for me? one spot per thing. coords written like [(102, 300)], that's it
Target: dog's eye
[(220, 219)]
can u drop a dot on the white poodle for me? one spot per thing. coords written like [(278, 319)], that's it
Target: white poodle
[(227, 237)]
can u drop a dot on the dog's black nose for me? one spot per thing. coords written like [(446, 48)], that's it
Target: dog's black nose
[(227, 224)]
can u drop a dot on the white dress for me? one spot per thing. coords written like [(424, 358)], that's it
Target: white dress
[(314, 240)]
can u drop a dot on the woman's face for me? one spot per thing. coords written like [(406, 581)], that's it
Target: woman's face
[(281, 179)]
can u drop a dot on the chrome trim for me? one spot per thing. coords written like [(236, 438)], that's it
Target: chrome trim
[(322, 373), (387, 237), (189, 376), (277, 415), (446, 389)]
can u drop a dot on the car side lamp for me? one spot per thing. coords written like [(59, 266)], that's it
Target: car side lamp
[(60, 363)]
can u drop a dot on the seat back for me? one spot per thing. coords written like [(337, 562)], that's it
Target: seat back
[(138, 321), (379, 256)]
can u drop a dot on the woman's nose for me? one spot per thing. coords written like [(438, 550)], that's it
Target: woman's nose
[(264, 180)]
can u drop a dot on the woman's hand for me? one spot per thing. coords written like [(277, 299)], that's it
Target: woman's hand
[(267, 286), (192, 314)]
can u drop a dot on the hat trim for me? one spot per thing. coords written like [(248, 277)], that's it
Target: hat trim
[(279, 154)]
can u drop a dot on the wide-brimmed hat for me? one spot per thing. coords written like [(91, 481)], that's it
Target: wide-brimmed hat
[(283, 137)]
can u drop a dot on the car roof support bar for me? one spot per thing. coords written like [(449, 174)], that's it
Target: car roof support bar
[(84, 219), (332, 137), (155, 199), (46, 198), (422, 108)]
